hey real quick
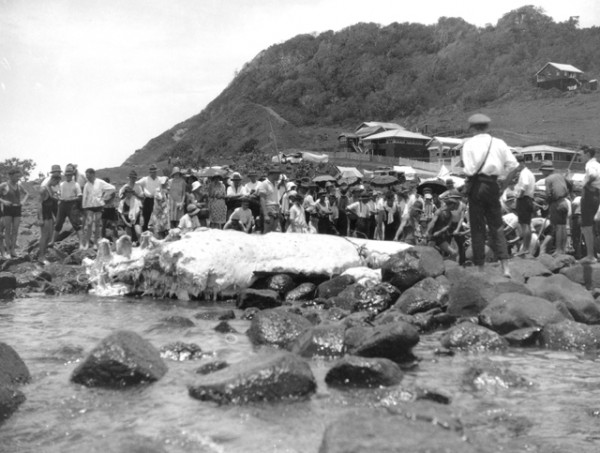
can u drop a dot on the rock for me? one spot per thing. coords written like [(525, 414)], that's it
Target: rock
[(77, 257), (8, 286), (259, 298), (305, 291), (363, 372), (406, 268), (281, 283), (173, 322), (250, 313), (390, 341), (277, 327), (334, 286), (215, 315), (522, 270), (556, 264), (12, 368), (269, 378), (348, 299), (225, 327), (180, 351), (527, 336), (470, 293), (570, 335), (120, 360), (378, 298), (211, 367), (489, 375), (326, 341), (588, 275), (336, 314), (472, 337), (513, 311), (377, 430), (393, 316), (364, 275), (423, 296), (10, 400), (68, 246)]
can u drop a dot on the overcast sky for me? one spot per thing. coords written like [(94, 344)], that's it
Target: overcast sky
[(91, 81)]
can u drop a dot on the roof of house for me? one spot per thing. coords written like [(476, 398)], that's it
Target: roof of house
[(386, 126), (561, 67), (545, 148), (400, 133)]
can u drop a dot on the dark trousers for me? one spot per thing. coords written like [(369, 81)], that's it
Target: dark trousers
[(576, 237), (147, 208), (68, 209), (484, 209)]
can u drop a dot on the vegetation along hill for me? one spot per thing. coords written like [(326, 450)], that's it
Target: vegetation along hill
[(302, 93)]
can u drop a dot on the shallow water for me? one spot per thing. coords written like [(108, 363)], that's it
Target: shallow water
[(559, 412)]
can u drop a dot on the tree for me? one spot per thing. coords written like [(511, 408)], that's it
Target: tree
[(25, 165)]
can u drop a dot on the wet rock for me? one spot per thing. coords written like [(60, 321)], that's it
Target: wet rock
[(570, 336), (259, 298), (363, 372), (277, 327), (578, 300), (314, 316), (8, 286), (305, 291), (225, 327), (359, 318), (470, 293), (527, 336), (173, 322), (326, 341), (412, 265), (216, 315), (378, 430), (390, 341), (333, 287), (273, 377), (120, 360), (472, 337), (12, 368), (514, 311), (378, 298), (179, 351), (423, 296), (348, 299), (250, 313), (10, 400), (393, 316), (488, 375), (211, 367), (364, 275), (281, 283)]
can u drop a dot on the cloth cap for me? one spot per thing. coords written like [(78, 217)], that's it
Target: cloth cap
[(56, 169), (454, 194), (547, 166), (479, 118), (196, 185)]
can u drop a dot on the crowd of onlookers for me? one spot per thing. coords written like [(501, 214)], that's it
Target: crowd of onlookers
[(435, 214)]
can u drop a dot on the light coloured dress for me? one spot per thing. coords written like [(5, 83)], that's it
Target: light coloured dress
[(216, 202), (160, 213), (176, 198)]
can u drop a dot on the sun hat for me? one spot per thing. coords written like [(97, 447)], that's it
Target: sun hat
[(236, 176), (196, 185), (192, 209), (547, 166), (479, 118), (55, 169), (175, 171)]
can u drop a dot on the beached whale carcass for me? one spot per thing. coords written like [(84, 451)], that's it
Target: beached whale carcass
[(215, 260)]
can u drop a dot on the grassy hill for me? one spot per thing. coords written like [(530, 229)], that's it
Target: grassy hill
[(302, 93)]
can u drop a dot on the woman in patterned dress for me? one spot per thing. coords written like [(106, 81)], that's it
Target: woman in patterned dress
[(160, 213), (216, 202), (177, 190)]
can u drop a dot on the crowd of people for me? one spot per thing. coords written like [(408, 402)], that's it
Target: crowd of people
[(488, 216)]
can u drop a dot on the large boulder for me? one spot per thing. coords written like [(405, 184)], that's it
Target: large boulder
[(268, 378), (120, 360), (522, 270), (412, 265), (305, 291), (325, 341), (556, 263), (259, 298), (277, 327), (586, 275), (390, 341), (471, 292), (427, 294), (514, 311), (467, 336), (12, 368), (377, 430), (578, 300), (8, 286), (363, 372), (570, 335), (10, 400), (333, 287)]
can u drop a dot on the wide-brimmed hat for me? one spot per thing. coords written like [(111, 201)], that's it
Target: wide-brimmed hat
[(55, 169), (236, 176), (192, 209), (547, 166), (175, 171), (196, 185), (479, 118)]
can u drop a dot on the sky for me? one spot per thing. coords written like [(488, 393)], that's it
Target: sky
[(91, 81)]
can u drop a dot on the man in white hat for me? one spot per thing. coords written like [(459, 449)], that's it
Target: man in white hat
[(485, 158)]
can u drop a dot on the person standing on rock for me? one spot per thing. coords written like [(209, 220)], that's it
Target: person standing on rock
[(49, 195), (557, 193), (149, 185), (12, 196), (590, 201), (69, 201), (177, 191), (485, 158), (269, 201), (95, 194), (525, 189)]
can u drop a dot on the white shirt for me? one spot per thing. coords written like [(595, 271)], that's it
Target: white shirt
[(150, 185), (232, 191), (268, 190), (251, 186), (93, 194), (525, 184), (499, 161), (592, 174), (69, 190)]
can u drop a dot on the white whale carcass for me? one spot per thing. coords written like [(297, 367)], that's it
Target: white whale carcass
[(210, 260)]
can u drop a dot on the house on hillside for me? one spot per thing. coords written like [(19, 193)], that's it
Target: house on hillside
[(562, 76), (399, 143), (442, 148), (352, 141)]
